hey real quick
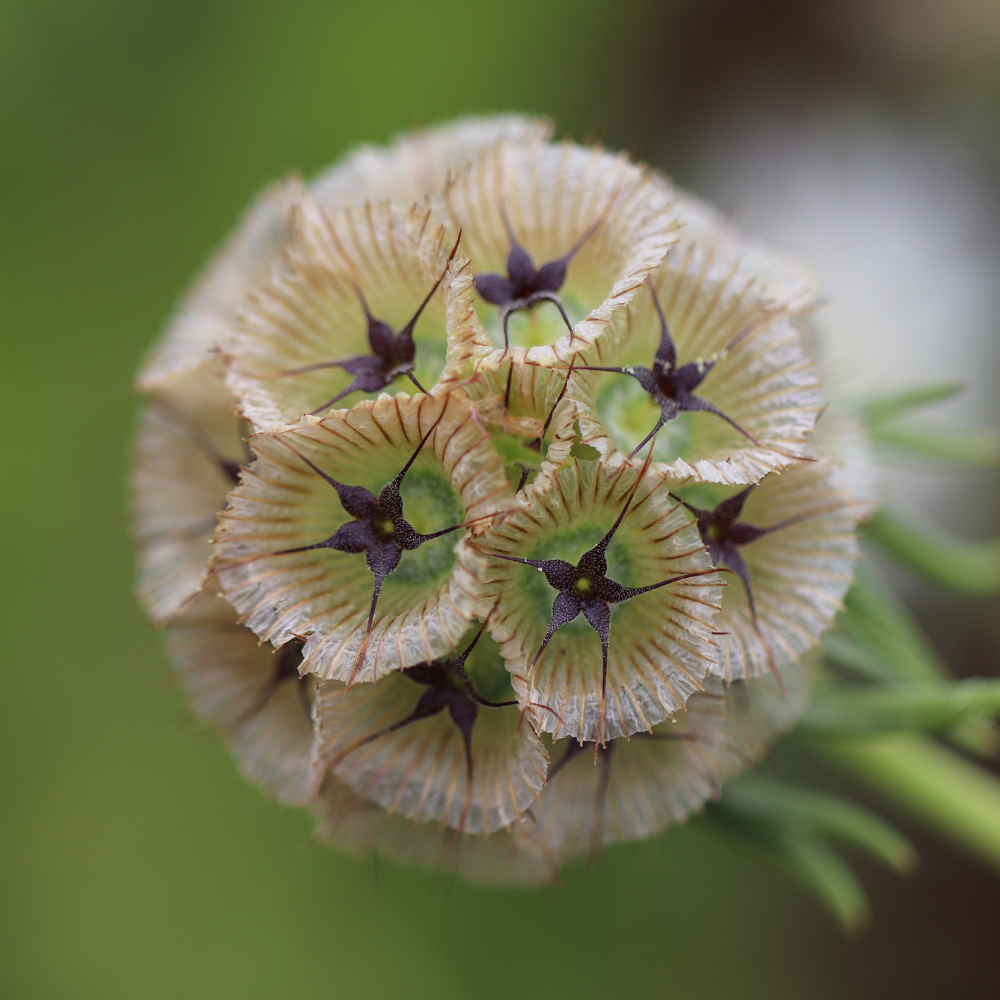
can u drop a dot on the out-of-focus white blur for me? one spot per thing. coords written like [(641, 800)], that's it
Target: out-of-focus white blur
[(901, 222)]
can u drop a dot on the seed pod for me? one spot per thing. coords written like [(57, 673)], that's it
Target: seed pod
[(252, 694), (363, 299), (561, 237), (280, 566), (660, 645), (426, 744), (753, 384)]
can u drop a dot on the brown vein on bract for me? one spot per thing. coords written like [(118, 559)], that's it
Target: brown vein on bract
[(601, 722), (638, 669), (276, 484), (271, 596), (444, 739), (399, 748), (713, 303), (746, 358), (673, 637), (652, 641), (349, 446)]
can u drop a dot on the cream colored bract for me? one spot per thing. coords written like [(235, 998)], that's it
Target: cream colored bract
[(343, 473)]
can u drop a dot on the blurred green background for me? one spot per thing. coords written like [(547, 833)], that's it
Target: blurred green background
[(134, 862)]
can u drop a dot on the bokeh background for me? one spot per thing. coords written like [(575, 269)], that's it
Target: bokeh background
[(133, 861)]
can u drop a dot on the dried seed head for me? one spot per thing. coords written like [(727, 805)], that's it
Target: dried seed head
[(730, 384), (324, 593), (363, 298), (187, 458), (660, 643), (252, 694), (550, 200), (791, 543), (426, 744), (507, 485)]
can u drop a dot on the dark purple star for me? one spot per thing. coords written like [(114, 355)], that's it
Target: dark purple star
[(525, 286), (393, 354), (378, 528), (724, 535), (672, 387), (448, 686), (586, 589)]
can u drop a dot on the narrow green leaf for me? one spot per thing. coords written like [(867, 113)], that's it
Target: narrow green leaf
[(847, 652), (977, 735), (881, 624), (978, 447), (884, 408), (788, 807), (818, 868), (801, 858), (867, 710), (958, 798), (879, 640), (967, 567)]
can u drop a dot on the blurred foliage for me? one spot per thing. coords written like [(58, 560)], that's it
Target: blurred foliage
[(886, 684)]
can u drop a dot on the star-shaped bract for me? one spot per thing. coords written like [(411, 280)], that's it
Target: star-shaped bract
[(393, 354), (723, 535), (525, 286), (378, 528), (448, 687), (586, 589), (672, 387)]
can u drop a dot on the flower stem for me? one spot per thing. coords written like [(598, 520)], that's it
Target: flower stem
[(958, 798)]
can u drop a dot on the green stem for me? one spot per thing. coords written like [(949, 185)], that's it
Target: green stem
[(978, 447), (874, 710), (967, 567), (885, 408), (958, 798)]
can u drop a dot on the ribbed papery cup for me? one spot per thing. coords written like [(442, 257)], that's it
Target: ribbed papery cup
[(781, 280), (534, 397), (661, 642), (230, 680), (413, 167), (348, 822), (188, 447), (323, 595), (765, 383), (419, 771), (203, 320), (552, 194), (190, 429), (637, 787), (799, 574), (641, 786), (417, 164), (309, 311)]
